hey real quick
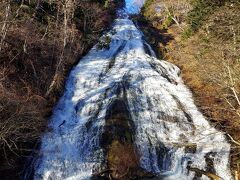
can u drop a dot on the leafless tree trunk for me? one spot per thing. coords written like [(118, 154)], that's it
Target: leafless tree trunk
[(5, 25), (68, 7)]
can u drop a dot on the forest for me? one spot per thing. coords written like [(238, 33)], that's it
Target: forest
[(40, 41)]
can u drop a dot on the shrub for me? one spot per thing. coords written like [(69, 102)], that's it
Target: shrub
[(201, 10)]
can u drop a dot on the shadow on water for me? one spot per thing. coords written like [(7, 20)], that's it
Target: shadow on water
[(153, 35), (118, 139)]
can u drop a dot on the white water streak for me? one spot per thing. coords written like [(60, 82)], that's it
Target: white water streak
[(162, 109)]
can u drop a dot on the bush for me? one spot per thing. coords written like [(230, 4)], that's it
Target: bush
[(187, 33), (201, 10)]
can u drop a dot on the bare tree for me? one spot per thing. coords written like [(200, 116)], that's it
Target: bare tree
[(5, 23)]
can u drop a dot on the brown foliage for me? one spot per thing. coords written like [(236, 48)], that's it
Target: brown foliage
[(210, 65), (39, 43)]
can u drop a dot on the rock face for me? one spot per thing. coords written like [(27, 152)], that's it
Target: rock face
[(128, 115)]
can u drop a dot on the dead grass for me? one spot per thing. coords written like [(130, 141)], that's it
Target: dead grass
[(210, 66)]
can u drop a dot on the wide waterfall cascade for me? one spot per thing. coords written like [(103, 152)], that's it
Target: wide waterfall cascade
[(170, 133)]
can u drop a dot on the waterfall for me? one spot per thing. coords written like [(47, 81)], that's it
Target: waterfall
[(120, 88)]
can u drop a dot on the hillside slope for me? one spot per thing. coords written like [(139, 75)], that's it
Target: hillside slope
[(39, 43), (202, 37)]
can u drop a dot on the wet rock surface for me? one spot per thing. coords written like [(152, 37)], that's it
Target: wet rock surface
[(127, 115)]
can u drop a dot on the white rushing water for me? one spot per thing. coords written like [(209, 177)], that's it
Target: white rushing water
[(170, 133), (133, 6)]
